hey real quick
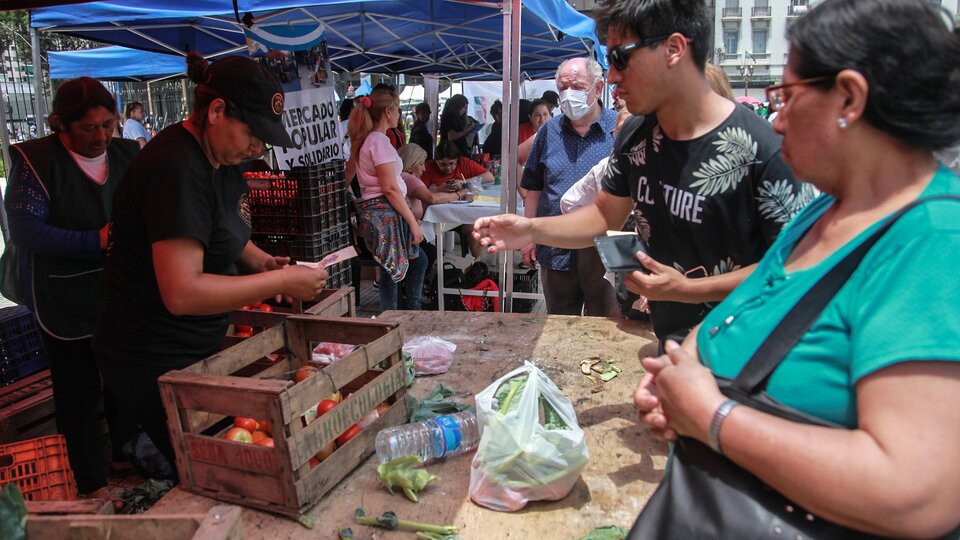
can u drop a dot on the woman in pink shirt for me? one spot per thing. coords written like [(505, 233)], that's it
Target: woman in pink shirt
[(386, 223)]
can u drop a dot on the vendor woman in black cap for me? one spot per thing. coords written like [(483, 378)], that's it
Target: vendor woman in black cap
[(179, 256)]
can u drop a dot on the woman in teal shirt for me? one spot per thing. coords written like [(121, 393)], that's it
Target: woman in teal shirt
[(869, 94)]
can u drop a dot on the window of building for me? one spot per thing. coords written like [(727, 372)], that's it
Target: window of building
[(761, 3), (731, 41), (759, 40), (732, 4)]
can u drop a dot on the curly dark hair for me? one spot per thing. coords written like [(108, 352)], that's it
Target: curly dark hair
[(907, 50)]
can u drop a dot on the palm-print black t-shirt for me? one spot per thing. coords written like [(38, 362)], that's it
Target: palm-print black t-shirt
[(705, 206)]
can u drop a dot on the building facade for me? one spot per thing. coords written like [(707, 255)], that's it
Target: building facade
[(750, 38)]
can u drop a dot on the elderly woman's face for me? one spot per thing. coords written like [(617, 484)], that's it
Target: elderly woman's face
[(90, 135), (808, 123), (417, 169)]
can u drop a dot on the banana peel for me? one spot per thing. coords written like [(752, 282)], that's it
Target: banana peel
[(599, 371), (405, 473)]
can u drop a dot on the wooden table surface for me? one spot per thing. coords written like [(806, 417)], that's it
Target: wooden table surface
[(625, 464)]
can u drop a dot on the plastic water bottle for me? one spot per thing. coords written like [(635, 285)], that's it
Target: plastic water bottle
[(447, 435)]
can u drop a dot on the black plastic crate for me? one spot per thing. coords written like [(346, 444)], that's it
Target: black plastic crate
[(303, 200), (525, 281), (305, 247), (340, 275), (21, 346)]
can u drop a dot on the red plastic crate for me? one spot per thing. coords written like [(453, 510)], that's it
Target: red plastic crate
[(40, 469)]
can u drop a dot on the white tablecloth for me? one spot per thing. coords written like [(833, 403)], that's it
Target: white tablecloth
[(447, 216)]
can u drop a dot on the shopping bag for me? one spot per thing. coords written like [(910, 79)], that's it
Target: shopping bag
[(531, 447)]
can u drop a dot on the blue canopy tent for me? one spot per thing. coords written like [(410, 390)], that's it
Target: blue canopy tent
[(115, 64), (462, 39)]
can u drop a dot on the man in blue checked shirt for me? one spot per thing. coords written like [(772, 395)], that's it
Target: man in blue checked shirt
[(565, 149)]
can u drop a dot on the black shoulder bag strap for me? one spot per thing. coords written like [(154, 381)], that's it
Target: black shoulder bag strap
[(755, 374)]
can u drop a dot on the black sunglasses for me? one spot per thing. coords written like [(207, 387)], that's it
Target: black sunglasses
[(619, 56)]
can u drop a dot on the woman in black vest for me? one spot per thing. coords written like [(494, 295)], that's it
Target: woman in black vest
[(59, 204)]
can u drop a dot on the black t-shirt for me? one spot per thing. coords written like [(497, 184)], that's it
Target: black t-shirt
[(706, 206), (452, 122), (170, 190)]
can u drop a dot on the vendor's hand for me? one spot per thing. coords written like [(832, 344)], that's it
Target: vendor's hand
[(105, 235), (304, 282), (416, 233), (275, 263), (686, 392), (663, 283), (505, 232), (529, 255)]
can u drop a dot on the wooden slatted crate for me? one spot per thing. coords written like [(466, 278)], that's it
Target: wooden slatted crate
[(26, 408), (200, 400), (220, 523)]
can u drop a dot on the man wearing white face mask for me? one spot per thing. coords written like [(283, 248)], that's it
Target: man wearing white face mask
[(564, 150)]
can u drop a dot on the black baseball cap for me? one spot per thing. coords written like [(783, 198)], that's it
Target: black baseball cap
[(256, 92)]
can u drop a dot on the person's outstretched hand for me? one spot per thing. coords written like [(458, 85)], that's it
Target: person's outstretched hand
[(505, 232)]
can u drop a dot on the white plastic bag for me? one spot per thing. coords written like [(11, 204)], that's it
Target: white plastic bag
[(431, 355), (534, 451)]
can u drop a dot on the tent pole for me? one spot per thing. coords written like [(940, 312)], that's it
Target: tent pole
[(40, 103), (149, 100), (5, 144), (508, 156)]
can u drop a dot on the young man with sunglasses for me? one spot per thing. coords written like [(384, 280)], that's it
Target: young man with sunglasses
[(703, 177)]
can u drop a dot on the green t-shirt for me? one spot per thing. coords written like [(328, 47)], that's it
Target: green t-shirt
[(900, 305)]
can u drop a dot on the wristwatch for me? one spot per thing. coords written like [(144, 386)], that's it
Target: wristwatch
[(717, 422)]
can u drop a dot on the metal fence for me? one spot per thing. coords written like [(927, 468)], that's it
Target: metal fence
[(164, 102)]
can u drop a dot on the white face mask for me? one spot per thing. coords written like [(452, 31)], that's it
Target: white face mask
[(574, 103)]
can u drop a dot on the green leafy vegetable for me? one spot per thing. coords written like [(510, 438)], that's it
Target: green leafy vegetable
[(610, 532), (13, 513), (436, 404), (389, 520), (405, 473)]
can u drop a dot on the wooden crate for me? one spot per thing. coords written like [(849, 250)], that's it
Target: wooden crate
[(26, 408), (199, 399), (220, 523), (331, 303)]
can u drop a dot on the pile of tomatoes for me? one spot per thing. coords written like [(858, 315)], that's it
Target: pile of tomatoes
[(328, 405), (245, 330), (250, 430), (263, 175)]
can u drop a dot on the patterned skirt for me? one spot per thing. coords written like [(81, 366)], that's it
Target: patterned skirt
[(387, 236)]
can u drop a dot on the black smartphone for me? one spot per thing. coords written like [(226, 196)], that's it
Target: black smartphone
[(619, 252)]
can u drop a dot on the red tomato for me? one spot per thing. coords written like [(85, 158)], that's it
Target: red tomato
[(243, 334), (265, 427), (248, 424), (264, 307), (243, 328), (325, 452), (244, 308), (258, 436), (350, 433), (325, 406), (268, 442), (304, 373), (239, 435), (382, 408), (313, 462)]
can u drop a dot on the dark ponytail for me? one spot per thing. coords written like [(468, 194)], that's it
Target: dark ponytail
[(198, 70)]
